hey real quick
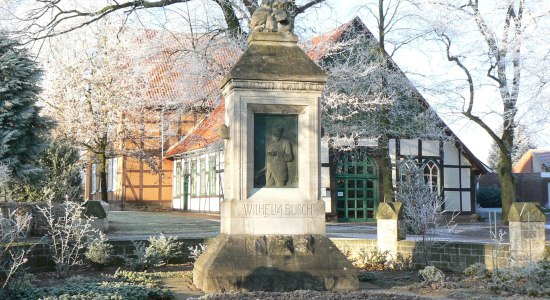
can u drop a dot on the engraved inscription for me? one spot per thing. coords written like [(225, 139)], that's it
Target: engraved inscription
[(287, 209)]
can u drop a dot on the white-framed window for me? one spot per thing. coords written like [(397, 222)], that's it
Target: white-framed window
[(212, 175), (93, 178), (112, 168), (177, 178), (202, 166), (431, 175)]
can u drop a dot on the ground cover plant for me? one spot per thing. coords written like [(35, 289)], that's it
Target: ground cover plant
[(118, 285)]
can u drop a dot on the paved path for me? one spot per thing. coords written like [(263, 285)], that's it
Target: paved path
[(136, 225)]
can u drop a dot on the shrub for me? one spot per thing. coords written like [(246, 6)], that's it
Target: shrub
[(159, 251), (531, 280), (488, 196), (432, 276), (374, 260), (476, 270), (67, 233), (12, 259), (122, 285), (196, 251), (163, 248), (99, 252)]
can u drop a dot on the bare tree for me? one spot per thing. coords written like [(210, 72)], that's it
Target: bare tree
[(12, 229), (507, 46), (368, 96), (48, 18), (91, 90), (523, 142), (68, 234), (423, 206)]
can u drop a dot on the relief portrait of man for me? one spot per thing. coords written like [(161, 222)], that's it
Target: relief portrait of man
[(278, 153), (275, 146)]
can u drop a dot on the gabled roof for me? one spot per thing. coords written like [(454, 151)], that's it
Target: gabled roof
[(543, 155), (205, 133), (320, 47), (174, 68)]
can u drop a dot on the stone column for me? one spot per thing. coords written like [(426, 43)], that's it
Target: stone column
[(273, 234), (390, 226), (527, 233)]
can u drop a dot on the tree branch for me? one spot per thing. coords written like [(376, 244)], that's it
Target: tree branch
[(303, 8)]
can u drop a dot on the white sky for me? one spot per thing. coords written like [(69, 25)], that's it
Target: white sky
[(421, 66), (418, 65)]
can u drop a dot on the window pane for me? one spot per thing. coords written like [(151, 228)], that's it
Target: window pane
[(203, 176), (212, 175), (94, 178)]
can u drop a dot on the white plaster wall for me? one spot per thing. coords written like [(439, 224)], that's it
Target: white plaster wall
[(466, 202), (409, 147), (452, 201), (450, 154), (464, 161), (451, 178), (324, 151), (430, 148), (177, 203), (325, 177), (465, 177), (392, 149), (367, 142), (343, 142), (327, 200)]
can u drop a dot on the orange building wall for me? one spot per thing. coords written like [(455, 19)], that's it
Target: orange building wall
[(524, 165)]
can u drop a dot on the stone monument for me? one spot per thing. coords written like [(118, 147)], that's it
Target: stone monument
[(273, 234)]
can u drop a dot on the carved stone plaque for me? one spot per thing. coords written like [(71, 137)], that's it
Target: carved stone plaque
[(275, 151)]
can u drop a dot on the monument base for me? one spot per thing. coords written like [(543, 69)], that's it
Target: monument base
[(273, 263)]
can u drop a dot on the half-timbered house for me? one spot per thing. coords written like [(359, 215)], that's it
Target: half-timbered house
[(350, 181)]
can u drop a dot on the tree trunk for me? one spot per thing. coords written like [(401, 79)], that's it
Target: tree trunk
[(102, 169), (507, 182), (383, 141), (387, 180)]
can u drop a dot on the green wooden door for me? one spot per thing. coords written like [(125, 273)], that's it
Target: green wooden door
[(356, 188), (185, 191)]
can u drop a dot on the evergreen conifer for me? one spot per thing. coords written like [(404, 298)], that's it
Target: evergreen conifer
[(22, 128)]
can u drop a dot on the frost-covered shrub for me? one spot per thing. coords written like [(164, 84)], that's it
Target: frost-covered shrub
[(163, 248), (12, 259), (376, 260), (99, 253), (67, 235), (531, 280), (432, 276), (196, 251), (476, 270), (139, 287), (157, 253)]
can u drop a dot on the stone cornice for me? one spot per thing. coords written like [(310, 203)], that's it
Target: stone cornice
[(273, 85)]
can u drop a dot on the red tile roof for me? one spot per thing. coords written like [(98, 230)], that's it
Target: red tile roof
[(319, 46), (176, 69), (205, 133)]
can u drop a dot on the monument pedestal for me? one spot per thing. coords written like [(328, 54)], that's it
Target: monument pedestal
[(273, 234), (273, 263)]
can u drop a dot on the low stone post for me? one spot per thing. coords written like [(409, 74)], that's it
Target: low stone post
[(527, 233), (390, 226), (96, 210)]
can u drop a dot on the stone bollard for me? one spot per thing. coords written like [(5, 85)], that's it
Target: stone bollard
[(96, 210), (390, 226), (527, 233)]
